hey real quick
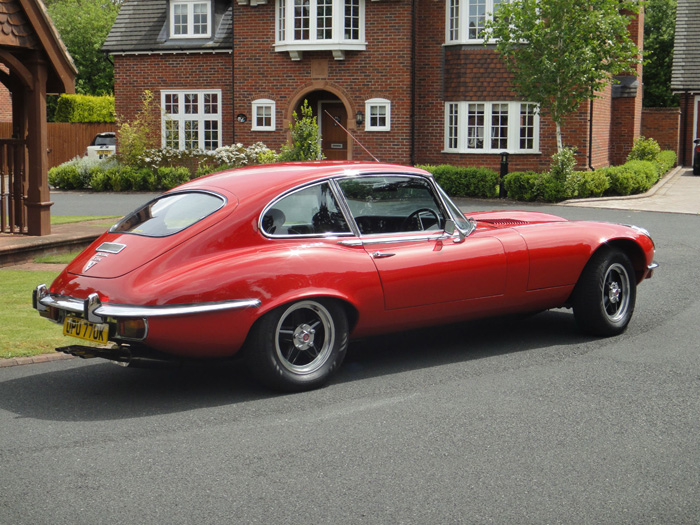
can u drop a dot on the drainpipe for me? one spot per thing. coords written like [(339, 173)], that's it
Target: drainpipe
[(590, 137), (684, 138), (413, 81), (233, 72)]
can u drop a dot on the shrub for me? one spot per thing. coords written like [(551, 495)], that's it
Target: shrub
[(666, 159), (523, 185), (644, 149), (305, 138), (169, 178), (76, 173), (646, 174), (461, 181), (591, 184), (563, 164), (135, 137), (84, 108)]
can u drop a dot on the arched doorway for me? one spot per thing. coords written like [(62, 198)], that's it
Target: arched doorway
[(330, 111)]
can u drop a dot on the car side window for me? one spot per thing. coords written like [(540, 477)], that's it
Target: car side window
[(392, 204), (310, 211)]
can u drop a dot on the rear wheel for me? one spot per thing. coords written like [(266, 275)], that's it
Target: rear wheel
[(605, 295), (297, 347)]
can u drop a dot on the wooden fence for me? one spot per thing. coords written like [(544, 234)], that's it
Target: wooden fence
[(66, 140)]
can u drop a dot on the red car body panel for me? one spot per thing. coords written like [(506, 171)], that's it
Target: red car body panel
[(511, 262)]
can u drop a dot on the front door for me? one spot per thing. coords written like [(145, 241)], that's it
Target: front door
[(335, 140), (402, 227)]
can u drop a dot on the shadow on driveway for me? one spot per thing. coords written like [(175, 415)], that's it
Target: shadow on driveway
[(97, 390)]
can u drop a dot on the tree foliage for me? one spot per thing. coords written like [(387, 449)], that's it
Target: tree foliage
[(562, 52), (84, 26), (659, 34)]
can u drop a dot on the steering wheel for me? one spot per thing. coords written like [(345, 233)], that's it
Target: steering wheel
[(415, 216)]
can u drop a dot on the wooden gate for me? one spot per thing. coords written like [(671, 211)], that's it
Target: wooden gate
[(13, 215)]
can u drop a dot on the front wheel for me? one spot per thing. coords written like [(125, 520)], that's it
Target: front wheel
[(605, 294), (297, 347)]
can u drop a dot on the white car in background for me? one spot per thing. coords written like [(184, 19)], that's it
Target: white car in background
[(102, 146)]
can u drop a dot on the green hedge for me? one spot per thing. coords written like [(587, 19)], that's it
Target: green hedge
[(84, 108), (110, 175), (460, 181), (635, 176)]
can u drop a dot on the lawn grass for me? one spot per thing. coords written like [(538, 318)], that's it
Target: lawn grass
[(23, 332), (68, 219), (60, 258)]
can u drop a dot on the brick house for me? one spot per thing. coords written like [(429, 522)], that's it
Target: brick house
[(685, 77), (411, 79)]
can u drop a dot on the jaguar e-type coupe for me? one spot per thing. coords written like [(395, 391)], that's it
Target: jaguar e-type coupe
[(283, 264)]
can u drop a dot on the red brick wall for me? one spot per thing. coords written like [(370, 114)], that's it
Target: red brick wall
[(5, 103), (662, 125), (382, 71), (134, 74)]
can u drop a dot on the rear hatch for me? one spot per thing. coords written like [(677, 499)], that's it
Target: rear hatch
[(152, 230)]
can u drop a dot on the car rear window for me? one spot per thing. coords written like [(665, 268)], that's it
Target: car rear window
[(169, 214), (102, 140)]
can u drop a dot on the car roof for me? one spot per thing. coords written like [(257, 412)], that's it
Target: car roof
[(277, 178)]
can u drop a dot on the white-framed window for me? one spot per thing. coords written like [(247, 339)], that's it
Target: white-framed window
[(190, 18), (191, 119), (377, 114), (491, 127), (313, 25), (263, 115), (466, 19)]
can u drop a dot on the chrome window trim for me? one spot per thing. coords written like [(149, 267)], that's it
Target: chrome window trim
[(339, 200), (428, 178), (368, 240), (223, 198)]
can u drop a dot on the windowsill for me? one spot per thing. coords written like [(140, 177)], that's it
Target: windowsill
[(490, 152), (296, 49)]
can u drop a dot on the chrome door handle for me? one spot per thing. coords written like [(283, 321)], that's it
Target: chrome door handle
[(382, 255)]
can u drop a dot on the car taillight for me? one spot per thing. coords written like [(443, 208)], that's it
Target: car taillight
[(134, 329)]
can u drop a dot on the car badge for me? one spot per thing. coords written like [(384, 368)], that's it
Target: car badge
[(95, 259)]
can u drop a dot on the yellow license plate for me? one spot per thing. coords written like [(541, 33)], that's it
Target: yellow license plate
[(82, 329)]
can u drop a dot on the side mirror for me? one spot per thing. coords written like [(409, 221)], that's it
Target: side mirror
[(451, 228)]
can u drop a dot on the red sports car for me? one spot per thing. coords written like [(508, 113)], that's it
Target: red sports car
[(283, 264)]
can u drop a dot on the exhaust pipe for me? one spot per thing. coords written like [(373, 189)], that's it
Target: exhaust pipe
[(123, 356)]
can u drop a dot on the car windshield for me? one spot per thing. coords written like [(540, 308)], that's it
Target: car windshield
[(169, 214)]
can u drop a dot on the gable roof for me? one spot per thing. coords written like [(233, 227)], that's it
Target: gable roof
[(142, 27), (686, 53), (25, 26)]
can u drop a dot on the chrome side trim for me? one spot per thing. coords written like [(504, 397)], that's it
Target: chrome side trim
[(652, 266), (93, 310), (365, 241)]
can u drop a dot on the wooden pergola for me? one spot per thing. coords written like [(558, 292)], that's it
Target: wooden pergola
[(35, 63)]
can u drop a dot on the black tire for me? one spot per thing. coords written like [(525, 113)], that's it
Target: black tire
[(298, 346), (605, 294)]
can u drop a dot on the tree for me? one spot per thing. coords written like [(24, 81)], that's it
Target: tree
[(562, 52), (659, 33), (84, 26)]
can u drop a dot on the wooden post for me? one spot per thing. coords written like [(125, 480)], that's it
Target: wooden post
[(38, 197)]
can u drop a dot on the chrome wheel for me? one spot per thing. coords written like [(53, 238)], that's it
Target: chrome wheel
[(605, 294), (304, 337), (616, 297), (298, 346)]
